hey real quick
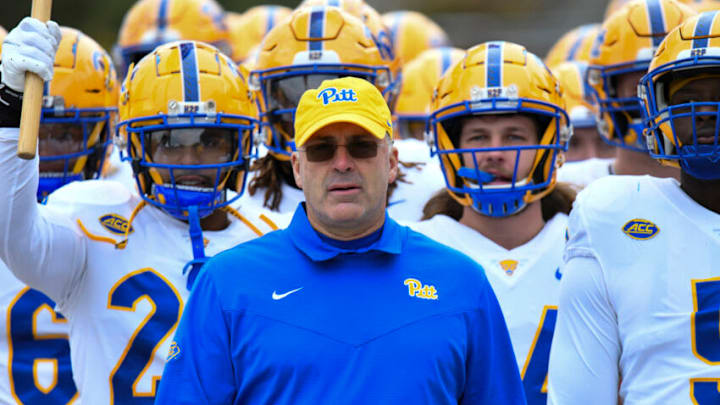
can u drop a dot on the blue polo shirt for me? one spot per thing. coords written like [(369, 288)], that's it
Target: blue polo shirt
[(295, 318)]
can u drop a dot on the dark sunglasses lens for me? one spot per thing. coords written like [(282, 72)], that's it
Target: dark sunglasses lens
[(320, 152), (363, 149), (325, 151)]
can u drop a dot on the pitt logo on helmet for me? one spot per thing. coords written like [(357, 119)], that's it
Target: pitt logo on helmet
[(115, 224), (640, 229), (417, 289), (332, 95)]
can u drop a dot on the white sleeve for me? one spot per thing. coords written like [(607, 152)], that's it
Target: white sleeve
[(40, 246), (586, 346)]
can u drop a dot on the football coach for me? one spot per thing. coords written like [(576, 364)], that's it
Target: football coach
[(344, 306)]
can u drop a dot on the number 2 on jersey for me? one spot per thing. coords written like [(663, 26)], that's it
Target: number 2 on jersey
[(534, 373), (705, 324), (157, 326), (28, 348)]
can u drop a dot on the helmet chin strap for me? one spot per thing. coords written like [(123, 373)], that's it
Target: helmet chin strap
[(700, 167), (198, 247)]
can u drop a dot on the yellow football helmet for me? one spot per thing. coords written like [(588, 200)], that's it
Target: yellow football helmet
[(625, 45), (690, 52), (374, 22), (418, 82), (576, 93), (248, 29), (187, 96), (702, 6), (412, 33), (313, 44), (78, 114), (574, 45), (150, 23), (499, 78)]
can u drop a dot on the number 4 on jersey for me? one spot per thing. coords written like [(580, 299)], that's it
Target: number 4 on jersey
[(534, 373), (705, 324)]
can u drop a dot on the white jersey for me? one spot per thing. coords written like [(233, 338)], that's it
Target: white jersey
[(34, 348), (640, 298), (526, 281), (421, 181), (585, 172), (122, 305)]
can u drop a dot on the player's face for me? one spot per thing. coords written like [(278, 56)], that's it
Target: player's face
[(495, 131), (701, 90), (192, 147), (56, 139), (344, 172), (586, 143), (626, 84)]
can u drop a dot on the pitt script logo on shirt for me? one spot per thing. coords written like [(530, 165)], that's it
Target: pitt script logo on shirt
[(417, 289), (332, 95)]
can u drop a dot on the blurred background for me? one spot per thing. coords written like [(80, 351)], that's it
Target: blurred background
[(537, 24)]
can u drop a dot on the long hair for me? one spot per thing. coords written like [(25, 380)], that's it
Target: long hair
[(560, 200)]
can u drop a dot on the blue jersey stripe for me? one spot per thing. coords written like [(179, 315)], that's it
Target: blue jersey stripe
[(494, 64), (446, 60), (575, 47), (162, 15), (191, 86), (317, 28), (657, 23), (702, 29)]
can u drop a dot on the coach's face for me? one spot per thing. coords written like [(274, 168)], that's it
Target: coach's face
[(344, 172)]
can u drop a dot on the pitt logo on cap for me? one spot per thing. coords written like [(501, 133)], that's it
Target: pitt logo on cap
[(417, 289), (640, 229), (115, 224), (332, 95)]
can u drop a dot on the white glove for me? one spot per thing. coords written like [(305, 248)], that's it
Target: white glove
[(29, 47)]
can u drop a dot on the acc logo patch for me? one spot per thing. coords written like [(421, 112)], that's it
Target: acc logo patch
[(509, 266), (174, 351), (115, 223), (640, 229)]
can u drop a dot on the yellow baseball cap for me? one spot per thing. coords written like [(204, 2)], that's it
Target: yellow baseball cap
[(348, 99)]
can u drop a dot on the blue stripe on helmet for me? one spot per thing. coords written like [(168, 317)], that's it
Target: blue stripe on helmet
[(446, 60), (317, 28), (657, 23), (702, 29), (191, 85), (333, 3), (270, 23), (395, 27), (494, 64), (162, 14), (575, 47)]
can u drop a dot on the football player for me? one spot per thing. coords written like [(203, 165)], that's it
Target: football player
[(412, 33), (620, 57), (248, 29), (75, 134), (500, 130), (575, 45), (150, 23), (640, 294), (289, 63), (120, 265)]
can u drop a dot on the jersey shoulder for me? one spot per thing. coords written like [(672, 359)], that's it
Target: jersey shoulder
[(615, 194), (92, 192)]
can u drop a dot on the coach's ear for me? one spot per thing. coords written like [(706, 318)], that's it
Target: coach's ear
[(295, 161)]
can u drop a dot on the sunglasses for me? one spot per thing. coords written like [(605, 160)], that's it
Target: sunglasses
[(324, 151)]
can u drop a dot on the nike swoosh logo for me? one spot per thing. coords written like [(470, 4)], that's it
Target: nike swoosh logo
[(277, 296), (558, 275)]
